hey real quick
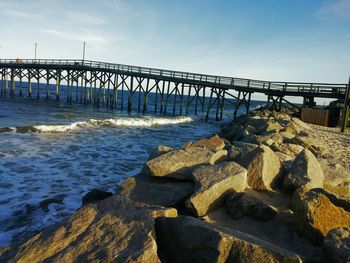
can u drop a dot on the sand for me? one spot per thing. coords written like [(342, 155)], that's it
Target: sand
[(336, 158), (335, 161)]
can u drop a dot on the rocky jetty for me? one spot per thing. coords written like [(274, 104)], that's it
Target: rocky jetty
[(256, 192)]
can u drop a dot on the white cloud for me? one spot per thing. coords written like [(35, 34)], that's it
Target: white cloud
[(339, 8), (92, 38), (77, 17)]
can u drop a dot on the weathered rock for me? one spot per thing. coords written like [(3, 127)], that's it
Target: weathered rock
[(263, 167), (186, 239), (315, 215), (307, 143), (94, 196), (243, 204), (232, 132), (213, 184), (337, 245), (179, 164), (156, 191), (113, 230), (336, 200), (305, 172), (241, 149), (287, 148), (44, 204), (159, 150), (214, 143)]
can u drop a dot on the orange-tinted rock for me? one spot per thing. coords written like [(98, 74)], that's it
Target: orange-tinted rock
[(214, 143), (316, 215)]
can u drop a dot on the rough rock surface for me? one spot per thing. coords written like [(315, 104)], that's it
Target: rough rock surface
[(305, 172), (263, 167), (337, 245), (180, 163), (159, 150), (113, 230), (94, 196), (214, 143), (186, 239), (315, 215), (156, 191), (213, 184), (243, 204)]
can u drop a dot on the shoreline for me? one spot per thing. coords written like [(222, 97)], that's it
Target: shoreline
[(274, 161)]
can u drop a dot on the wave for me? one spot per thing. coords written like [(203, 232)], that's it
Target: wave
[(93, 123)]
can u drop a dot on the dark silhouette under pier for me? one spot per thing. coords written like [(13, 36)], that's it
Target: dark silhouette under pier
[(99, 83)]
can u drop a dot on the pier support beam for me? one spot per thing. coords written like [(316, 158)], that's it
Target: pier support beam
[(346, 108), (309, 102), (274, 102), (242, 99)]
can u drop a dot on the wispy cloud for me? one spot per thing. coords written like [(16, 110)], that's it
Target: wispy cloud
[(339, 8), (92, 38), (77, 17)]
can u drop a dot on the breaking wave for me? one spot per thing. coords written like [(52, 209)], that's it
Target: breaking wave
[(93, 123)]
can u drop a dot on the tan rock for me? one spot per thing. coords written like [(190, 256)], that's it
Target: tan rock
[(180, 163), (263, 167), (315, 215), (159, 150), (214, 143), (213, 184), (156, 191), (187, 239), (305, 172), (113, 230)]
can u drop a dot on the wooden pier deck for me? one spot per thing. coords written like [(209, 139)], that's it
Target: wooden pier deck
[(99, 83)]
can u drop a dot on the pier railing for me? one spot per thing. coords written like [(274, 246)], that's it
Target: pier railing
[(286, 88)]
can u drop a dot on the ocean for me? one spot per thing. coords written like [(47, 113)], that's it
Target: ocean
[(52, 153)]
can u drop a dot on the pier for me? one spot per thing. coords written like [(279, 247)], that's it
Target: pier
[(101, 83)]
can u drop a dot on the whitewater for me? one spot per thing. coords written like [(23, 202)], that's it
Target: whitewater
[(53, 153)]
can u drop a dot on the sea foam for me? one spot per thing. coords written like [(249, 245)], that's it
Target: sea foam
[(95, 123)]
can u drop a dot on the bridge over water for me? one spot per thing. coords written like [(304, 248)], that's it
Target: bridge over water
[(101, 84)]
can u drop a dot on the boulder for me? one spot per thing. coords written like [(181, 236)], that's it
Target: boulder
[(187, 239), (287, 148), (113, 230), (156, 191), (243, 204), (305, 172), (214, 143), (159, 150), (241, 149), (94, 196), (213, 184), (315, 215), (180, 163), (44, 204), (232, 132), (337, 245), (309, 144), (263, 167)]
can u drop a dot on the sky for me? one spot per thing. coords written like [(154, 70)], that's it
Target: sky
[(284, 40)]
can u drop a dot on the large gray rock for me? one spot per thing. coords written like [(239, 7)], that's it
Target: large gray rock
[(113, 230), (186, 239), (243, 204), (156, 191), (263, 167), (337, 245), (305, 172), (213, 184), (315, 215), (180, 163)]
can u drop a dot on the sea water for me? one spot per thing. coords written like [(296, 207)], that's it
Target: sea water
[(53, 153)]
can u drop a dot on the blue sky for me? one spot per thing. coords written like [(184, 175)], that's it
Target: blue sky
[(287, 40)]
